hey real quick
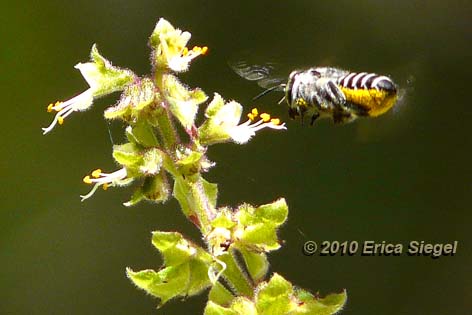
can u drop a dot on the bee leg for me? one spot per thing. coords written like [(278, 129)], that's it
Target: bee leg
[(313, 118), (334, 92), (301, 110), (292, 113), (341, 118)]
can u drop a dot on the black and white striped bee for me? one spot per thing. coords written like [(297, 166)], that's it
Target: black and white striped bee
[(326, 92)]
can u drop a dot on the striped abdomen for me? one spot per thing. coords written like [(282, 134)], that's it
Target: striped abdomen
[(374, 93)]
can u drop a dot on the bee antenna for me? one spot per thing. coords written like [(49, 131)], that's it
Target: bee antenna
[(267, 91)]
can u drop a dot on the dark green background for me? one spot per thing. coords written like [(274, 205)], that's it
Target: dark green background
[(404, 176)]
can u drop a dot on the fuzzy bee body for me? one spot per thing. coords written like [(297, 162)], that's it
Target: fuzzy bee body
[(327, 92), (340, 94)]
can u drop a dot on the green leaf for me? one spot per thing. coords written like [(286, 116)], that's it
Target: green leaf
[(257, 227), (274, 297), (182, 192), (215, 309), (234, 275), (189, 163), (102, 76), (185, 272), (220, 295), (127, 155), (275, 212), (223, 219), (173, 246), (182, 100), (240, 306), (211, 192), (256, 263), (134, 102), (144, 134), (308, 304), (215, 105), (137, 197), (154, 188), (262, 235), (165, 284)]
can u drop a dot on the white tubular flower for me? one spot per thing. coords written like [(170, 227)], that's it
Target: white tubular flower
[(78, 103), (102, 77), (170, 44), (98, 178), (228, 118), (180, 62)]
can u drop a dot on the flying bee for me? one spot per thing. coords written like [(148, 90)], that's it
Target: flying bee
[(326, 91)]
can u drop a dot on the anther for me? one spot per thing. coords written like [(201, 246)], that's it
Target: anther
[(96, 173), (275, 121), (87, 180), (265, 117)]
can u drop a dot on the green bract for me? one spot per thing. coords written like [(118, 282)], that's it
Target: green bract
[(165, 155), (102, 77)]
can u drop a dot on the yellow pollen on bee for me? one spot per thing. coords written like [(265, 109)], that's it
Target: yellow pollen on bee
[(204, 50), (60, 120), (301, 102), (275, 121), (87, 179), (265, 117), (105, 186), (375, 101)]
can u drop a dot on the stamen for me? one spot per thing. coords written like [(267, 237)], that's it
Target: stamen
[(96, 173), (50, 107), (60, 120), (185, 51), (87, 179), (265, 117), (204, 50), (275, 121)]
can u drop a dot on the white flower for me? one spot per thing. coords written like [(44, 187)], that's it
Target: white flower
[(171, 47), (98, 178), (179, 63), (78, 103), (102, 77), (228, 118)]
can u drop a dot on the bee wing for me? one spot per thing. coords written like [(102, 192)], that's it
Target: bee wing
[(263, 74)]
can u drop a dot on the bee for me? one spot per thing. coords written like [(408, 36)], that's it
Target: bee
[(326, 92)]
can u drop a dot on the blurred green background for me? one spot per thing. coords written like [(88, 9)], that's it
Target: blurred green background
[(404, 176)]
